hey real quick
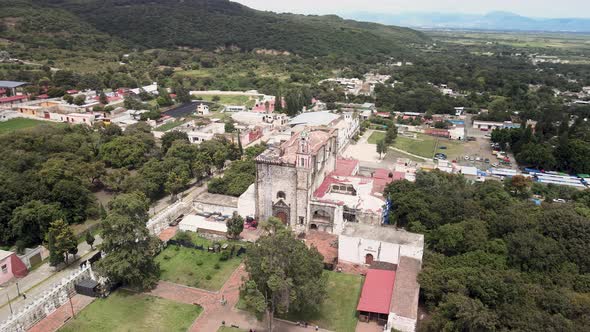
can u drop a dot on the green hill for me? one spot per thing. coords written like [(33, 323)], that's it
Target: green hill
[(203, 24)]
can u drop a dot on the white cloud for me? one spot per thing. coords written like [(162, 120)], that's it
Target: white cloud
[(536, 8)]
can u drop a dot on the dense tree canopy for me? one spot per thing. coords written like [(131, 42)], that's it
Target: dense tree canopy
[(285, 275), (494, 260)]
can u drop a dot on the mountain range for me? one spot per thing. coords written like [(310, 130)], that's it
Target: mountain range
[(201, 24), (492, 21)]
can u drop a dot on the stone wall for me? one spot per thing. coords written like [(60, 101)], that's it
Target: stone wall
[(47, 302), (160, 221)]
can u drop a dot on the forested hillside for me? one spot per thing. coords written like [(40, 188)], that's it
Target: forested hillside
[(494, 260), (203, 24)]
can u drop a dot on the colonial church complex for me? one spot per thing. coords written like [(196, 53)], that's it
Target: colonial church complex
[(306, 184)]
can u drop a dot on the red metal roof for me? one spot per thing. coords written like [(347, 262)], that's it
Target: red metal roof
[(13, 98), (377, 291)]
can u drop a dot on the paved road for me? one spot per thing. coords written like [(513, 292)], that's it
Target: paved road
[(40, 280)]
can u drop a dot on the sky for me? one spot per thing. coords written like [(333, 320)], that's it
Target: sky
[(532, 8)]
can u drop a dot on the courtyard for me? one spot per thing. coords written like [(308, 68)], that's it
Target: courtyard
[(338, 312), (196, 268), (127, 311)]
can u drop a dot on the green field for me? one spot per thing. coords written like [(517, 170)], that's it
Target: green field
[(169, 125), (124, 311), (20, 123), (192, 267), (234, 100), (338, 312), (376, 136), (423, 145)]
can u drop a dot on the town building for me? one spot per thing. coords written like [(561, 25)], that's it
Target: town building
[(491, 125), (11, 266), (200, 134), (203, 109)]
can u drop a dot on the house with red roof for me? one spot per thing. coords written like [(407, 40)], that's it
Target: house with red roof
[(11, 267)]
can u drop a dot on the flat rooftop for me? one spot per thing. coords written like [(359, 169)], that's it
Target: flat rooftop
[(217, 199), (383, 233), (11, 84), (404, 301)]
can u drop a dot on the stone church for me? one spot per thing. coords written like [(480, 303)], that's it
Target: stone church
[(287, 175)]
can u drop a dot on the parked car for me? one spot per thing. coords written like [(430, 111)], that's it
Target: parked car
[(487, 161), (442, 147), (472, 159), (495, 165), (466, 157), (440, 156), (176, 221), (477, 159)]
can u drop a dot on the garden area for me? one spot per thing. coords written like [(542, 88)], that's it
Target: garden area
[(197, 268), (126, 311)]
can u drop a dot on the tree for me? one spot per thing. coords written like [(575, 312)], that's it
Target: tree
[(90, 239), (285, 276), (229, 127), (518, 185), (235, 226), (80, 100), (381, 148), (102, 98), (129, 246), (391, 134), (176, 182), (68, 99), (115, 179), (537, 155), (61, 240), (30, 222), (170, 137), (182, 95), (124, 151)]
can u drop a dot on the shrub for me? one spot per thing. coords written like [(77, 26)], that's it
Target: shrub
[(216, 266), (199, 263), (208, 277), (225, 255)]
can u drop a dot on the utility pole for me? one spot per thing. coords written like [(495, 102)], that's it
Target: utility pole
[(9, 304), (72, 306)]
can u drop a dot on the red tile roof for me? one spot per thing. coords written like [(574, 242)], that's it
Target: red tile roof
[(43, 96), (345, 167), (377, 291)]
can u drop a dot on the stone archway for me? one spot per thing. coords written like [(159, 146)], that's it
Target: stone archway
[(369, 259)]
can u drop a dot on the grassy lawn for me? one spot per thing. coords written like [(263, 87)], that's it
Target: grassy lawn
[(20, 123), (235, 100), (424, 146), (376, 136), (169, 125), (195, 268), (338, 312), (125, 311)]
